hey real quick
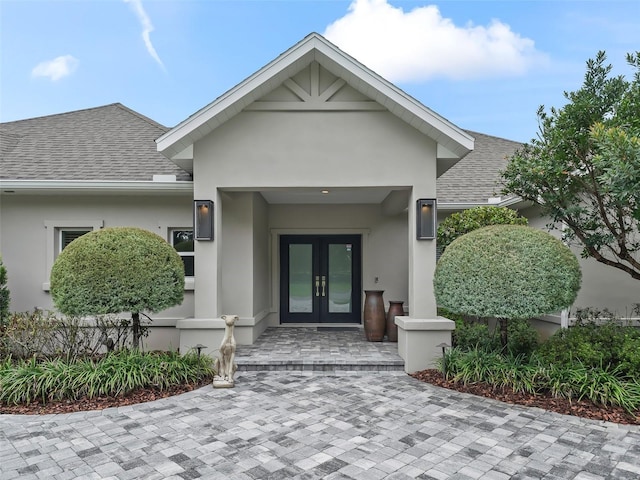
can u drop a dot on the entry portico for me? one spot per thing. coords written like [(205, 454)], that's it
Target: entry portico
[(314, 147)]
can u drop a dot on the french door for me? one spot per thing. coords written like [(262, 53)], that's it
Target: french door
[(320, 278)]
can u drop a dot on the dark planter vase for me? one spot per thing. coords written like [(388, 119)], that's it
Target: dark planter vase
[(395, 310), (374, 315)]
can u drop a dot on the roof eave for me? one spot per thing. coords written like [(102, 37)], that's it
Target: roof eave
[(93, 187), (511, 202)]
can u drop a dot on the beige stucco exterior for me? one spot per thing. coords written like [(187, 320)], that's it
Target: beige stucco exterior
[(603, 287), (28, 229), (312, 120), (309, 150)]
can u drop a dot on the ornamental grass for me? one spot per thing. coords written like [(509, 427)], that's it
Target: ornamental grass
[(114, 374)]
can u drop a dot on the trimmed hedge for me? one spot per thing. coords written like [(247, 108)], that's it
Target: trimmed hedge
[(506, 271), (459, 223), (118, 269)]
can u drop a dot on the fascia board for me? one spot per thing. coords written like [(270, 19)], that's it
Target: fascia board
[(429, 122), (251, 87), (36, 187), (454, 206), (508, 202)]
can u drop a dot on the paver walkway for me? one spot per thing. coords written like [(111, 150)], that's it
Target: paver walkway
[(315, 425), (306, 349)]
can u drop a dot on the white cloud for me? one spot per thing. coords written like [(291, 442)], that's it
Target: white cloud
[(147, 28), (420, 44), (57, 68)]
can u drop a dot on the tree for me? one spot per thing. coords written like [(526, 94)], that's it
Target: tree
[(506, 272), (583, 170), (114, 270), (458, 224), (4, 294)]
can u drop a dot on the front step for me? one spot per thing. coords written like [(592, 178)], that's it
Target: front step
[(338, 348), (318, 366)]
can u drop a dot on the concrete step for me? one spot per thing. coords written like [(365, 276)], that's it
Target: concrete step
[(319, 365)]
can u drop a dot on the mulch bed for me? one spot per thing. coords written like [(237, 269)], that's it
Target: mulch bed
[(583, 408), (98, 403)]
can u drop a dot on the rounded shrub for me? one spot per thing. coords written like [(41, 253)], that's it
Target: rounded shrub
[(506, 271), (459, 223), (118, 269)]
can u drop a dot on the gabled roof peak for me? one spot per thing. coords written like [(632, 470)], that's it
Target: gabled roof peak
[(314, 47)]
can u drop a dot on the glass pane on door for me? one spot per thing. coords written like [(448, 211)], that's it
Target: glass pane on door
[(340, 277), (300, 278)]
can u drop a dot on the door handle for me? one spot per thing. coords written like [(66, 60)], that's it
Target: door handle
[(318, 285), (324, 283)]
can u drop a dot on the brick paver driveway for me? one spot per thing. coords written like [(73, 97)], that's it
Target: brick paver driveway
[(365, 425)]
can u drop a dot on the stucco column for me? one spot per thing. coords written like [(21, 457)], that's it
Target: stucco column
[(422, 265), (208, 267), (237, 262)]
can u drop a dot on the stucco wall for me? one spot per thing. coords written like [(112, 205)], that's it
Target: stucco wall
[(602, 286), (287, 149), (24, 240), (237, 257), (261, 150), (261, 252)]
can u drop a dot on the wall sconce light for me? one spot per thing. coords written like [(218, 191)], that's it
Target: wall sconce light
[(203, 219), (426, 219)]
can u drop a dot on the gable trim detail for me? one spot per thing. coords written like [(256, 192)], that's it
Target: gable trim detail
[(315, 48)]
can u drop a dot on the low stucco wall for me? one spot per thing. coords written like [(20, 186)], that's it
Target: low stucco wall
[(419, 340)]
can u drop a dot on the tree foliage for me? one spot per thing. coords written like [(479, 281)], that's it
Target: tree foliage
[(458, 224), (4, 294), (119, 269), (506, 272), (583, 170)]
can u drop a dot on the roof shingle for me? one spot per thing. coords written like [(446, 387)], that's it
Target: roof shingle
[(476, 177), (113, 142), (110, 142)]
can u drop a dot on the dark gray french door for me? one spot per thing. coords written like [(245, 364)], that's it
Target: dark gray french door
[(320, 278)]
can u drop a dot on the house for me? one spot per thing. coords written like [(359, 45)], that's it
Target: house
[(309, 182)]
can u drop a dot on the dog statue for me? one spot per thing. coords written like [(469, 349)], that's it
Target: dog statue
[(225, 365)]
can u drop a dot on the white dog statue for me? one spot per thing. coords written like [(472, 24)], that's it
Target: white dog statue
[(225, 365)]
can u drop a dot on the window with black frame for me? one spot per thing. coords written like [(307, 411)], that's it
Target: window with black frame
[(182, 241)]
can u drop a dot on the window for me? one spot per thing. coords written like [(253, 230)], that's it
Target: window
[(59, 234), (69, 235), (182, 241)]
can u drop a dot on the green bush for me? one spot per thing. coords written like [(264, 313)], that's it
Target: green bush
[(522, 339), (114, 270), (116, 374), (609, 345), (42, 334), (28, 334), (506, 271), (457, 224), (468, 335), (4, 295), (119, 269), (603, 386)]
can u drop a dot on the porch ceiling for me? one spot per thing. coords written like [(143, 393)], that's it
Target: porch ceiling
[(314, 195)]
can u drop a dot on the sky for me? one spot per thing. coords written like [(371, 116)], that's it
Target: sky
[(486, 66)]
